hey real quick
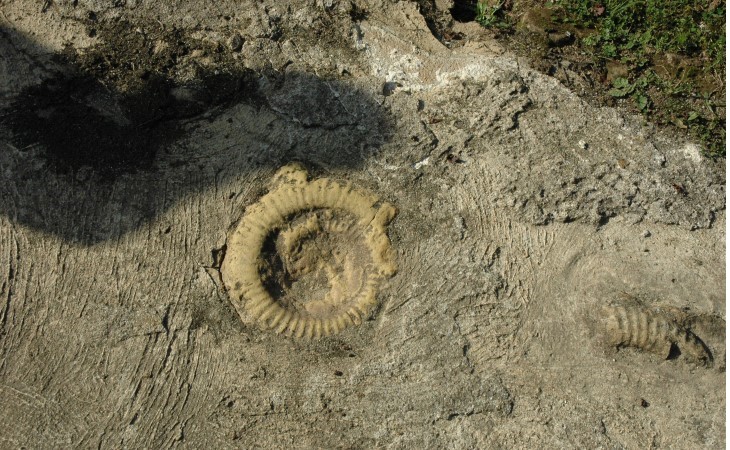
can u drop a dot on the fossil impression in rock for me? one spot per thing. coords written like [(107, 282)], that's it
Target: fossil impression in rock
[(651, 330), (307, 259)]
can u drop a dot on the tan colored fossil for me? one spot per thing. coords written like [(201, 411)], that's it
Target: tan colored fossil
[(652, 330), (307, 259)]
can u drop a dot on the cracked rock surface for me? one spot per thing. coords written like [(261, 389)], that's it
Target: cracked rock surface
[(134, 134)]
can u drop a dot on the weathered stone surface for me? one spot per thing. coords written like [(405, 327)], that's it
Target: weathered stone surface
[(522, 210)]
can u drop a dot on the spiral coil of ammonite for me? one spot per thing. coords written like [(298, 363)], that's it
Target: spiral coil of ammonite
[(307, 259)]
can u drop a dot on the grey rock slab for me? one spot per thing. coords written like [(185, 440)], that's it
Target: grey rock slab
[(522, 210)]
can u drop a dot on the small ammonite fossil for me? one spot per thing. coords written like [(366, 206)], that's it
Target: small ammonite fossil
[(307, 259), (652, 330)]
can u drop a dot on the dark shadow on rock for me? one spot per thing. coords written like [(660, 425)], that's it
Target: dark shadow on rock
[(80, 123), (94, 152), (464, 10)]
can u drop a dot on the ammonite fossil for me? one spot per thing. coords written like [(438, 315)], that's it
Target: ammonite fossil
[(653, 331), (307, 259)]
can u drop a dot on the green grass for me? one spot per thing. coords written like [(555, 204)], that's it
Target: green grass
[(687, 91), (491, 15), (636, 33), (629, 29)]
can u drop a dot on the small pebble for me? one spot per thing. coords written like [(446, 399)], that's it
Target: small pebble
[(659, 160), (560, 39), (582, 144), (646, 233), (236, 42), (389, 87)]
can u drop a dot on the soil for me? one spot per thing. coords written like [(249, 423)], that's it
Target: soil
[(134, 135), (537, 31)]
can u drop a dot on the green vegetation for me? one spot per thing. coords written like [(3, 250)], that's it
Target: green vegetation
[(491, 15), (670, 55), (674, 51), (633, 29)]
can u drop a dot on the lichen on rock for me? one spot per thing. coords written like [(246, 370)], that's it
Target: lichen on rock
[(307, 259)]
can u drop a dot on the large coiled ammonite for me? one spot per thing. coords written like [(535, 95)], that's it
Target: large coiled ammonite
[(307, 259)]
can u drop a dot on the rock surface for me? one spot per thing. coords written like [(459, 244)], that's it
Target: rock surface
[(133, 135)]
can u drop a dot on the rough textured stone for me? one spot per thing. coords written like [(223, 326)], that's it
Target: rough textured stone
[(124, 163)]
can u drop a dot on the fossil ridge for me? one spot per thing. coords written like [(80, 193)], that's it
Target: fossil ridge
[(651, 330), (307, 259)]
